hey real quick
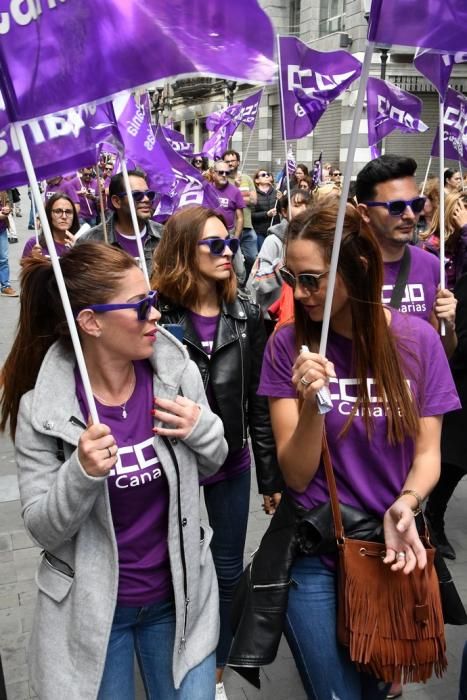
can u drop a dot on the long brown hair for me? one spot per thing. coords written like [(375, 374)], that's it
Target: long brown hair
[(92, 273), (451, 230), (373, 344), (176, 275)]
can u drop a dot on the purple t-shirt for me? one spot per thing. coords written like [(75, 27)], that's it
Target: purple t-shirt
[(422, 283), (129, 244), (139, 495), (65, 187), (88, 207), (230, 199), (369, 473), (61, 248), (238, 461)]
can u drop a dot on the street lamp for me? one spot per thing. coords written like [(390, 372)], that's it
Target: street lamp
[(230, 87), (384, 54)]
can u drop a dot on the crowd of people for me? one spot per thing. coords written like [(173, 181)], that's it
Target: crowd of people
[(216, 361)]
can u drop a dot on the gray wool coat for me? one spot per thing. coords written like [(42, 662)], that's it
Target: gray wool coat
[(68, 514)]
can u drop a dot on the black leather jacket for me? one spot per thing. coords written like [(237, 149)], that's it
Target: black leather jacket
[(233, 373)]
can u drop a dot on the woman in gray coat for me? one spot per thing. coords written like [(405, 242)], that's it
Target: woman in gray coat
[(126, 565)]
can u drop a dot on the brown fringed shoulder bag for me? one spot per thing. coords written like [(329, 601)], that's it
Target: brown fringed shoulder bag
[(391, 622)]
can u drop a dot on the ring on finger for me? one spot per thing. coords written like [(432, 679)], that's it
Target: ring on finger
[(110, 453), (401, 555), (305, 382)]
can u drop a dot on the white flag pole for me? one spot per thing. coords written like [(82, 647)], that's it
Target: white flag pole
[(442, 271), (426, 175), (17, 128), (462, 176), (281, 96), (345, 193), (34, 216), (134, 220)]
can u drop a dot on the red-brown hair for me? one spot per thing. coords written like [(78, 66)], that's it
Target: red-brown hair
[(176, 275), (92, 273), (374, 348)]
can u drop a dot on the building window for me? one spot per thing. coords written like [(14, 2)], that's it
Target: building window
[(294, 18), (331, 16)]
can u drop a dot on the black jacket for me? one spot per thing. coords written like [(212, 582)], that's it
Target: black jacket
[(265, 202), (233, 373)]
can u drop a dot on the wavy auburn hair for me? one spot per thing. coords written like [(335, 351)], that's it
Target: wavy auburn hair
[(175, 271), (452, 232), (373, 344), (93, 273)]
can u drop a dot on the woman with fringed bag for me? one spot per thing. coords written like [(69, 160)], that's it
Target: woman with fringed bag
[(390, 385)]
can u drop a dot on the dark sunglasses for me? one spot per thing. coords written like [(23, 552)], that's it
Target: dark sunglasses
[(139, 195), (217, 245), (197, 160), (222, 172), (307, 280), (143, 307), (264, 174), (397, 207), (336, 174)]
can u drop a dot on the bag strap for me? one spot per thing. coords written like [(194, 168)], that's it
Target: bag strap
[(401, 281), (336, 511)]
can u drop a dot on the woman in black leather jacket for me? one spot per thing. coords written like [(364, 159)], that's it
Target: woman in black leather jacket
[(264, 214), (225, 337)]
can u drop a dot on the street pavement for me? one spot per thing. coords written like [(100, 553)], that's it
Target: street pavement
[(18, 559)]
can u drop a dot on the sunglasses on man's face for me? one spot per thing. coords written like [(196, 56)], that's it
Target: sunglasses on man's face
[(217, 246), (143, 307), (222, 172), (139, 195), (396, 207), (307, 280)]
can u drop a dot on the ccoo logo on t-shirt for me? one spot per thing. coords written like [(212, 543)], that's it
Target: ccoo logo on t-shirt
[(135, 465)]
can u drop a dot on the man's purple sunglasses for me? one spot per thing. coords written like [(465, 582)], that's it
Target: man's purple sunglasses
[(143, 307), (396, 207)]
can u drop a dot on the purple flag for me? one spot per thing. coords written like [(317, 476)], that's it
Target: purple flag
[(432, 24), (436, 67), (389, 108), (310, 80), (178, 142), (55, 55), (225, 123), (455, 128), (58, 143), (181, 184)]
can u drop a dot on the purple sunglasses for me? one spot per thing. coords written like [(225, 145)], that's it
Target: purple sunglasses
[(143, 307)]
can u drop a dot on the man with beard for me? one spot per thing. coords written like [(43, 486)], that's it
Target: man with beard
[(120, 226), (389, 202)]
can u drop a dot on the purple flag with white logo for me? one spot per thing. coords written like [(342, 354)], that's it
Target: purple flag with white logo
[(179, 182), (55, 55), (310, 80), (59, 143), (436, 67), (136, 132), (432, 24), (178, 142), (390, 108), (225, 123), (455, 128)]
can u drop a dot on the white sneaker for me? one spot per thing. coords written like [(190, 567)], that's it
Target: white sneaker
[(220, 692)]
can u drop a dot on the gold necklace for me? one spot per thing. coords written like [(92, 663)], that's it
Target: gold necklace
[(121, 405)]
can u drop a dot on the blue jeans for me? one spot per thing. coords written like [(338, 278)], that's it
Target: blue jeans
[(249, 247), (4, 267), (227, 503), (324, 665), (150, 632)]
